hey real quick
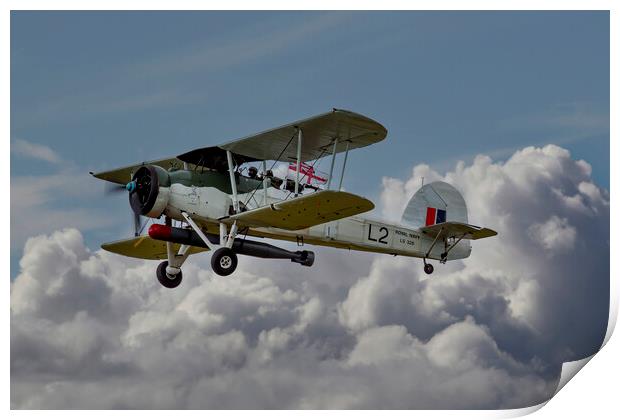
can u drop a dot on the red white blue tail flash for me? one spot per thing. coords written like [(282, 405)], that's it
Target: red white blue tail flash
[(434, 216)]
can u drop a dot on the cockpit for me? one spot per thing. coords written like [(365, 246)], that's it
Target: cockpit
[(310, 178)]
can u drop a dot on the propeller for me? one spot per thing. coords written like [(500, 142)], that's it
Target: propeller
[(115, 189), (137, 224), (131, 187), (143, 190)]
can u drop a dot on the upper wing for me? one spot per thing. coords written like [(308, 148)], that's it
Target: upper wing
[(318, 134), (144, 247), (456, 229), (123, 175), (304, 212)]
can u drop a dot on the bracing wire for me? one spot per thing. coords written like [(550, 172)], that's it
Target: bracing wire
[(316, 161), (272, 166)]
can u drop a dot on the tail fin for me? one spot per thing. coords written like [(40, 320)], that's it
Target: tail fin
[(434, 203)]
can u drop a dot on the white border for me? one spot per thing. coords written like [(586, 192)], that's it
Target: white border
[(595, 391), (311, 5)]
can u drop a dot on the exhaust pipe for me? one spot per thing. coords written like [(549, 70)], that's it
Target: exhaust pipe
[(240, 246)]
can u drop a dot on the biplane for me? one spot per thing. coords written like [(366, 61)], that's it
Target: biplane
[(213, 198)]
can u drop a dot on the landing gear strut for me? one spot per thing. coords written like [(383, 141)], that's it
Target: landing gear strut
[(224, 259), (167, 280), (428, 268), (169, 272)]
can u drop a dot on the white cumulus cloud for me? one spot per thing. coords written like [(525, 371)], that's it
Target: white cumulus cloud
[(554, 235), (94, 330), (35, 151)]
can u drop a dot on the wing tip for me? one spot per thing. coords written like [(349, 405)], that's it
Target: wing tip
[(381, 131), (490, 232)]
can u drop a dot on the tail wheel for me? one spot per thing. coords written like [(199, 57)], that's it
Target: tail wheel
[(428, 268), (166, 279), (224, 261)]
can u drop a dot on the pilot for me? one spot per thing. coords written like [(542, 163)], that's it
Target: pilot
[(290, 186), (252, 172), (274, 180)]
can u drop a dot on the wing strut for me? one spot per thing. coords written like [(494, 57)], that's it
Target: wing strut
[(233, 183), (264, 183), (331, 168), (299, 139), (344, 164)]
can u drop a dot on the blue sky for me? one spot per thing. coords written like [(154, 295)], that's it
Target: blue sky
[(105, 89)]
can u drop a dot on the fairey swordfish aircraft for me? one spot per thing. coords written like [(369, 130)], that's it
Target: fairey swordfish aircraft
[(212, 199)]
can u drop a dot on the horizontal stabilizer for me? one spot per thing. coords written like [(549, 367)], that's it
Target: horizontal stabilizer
[(457, 229), (305, 211), (144, 247)]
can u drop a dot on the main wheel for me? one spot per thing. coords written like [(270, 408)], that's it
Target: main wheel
[(166, 279), (428, 268), (224, 261)]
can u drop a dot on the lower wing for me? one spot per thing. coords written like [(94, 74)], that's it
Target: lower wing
[(144, 247), (304, 212)]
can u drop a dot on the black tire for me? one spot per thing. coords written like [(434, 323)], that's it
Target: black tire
[(428, 268), (164, 279), (224, 261)]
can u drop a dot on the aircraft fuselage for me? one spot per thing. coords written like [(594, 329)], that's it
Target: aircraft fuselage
[(208, 203)]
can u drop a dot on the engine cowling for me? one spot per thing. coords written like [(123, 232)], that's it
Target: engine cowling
[(149, 191)]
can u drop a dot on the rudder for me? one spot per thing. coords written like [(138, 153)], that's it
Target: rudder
[(434, 203)]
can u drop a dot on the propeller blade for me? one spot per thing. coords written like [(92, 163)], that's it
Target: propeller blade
[(137, 224), (113, 189)]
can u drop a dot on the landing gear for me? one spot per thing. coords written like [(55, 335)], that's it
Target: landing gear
[(428, 268), (224, 261), (167, 280)]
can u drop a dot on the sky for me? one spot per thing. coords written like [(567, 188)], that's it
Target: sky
[(471, 98), (106, 89)]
